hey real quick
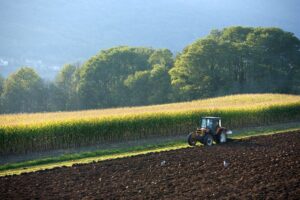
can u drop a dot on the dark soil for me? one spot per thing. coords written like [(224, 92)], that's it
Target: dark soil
[(265, 167)]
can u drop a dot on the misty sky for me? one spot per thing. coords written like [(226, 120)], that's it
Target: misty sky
[(47, 34)]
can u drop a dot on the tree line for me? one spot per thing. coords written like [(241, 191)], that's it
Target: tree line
[(232, 60)]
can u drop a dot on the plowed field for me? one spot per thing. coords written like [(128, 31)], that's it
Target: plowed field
[(265, 167)]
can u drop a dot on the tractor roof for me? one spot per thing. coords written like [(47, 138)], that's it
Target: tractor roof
[(212, 117)]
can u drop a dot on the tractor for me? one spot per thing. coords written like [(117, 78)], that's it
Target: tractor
[(210, 131)]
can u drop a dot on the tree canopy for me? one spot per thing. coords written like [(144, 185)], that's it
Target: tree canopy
[(23, 92), (232, 60), (111, 77), (238, 60)]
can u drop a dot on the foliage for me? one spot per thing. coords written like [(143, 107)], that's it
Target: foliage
[(238, 60), (228, 61), (121, 76), (143, 86), (66, 87), (23, 92)]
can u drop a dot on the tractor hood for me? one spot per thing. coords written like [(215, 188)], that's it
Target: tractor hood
[(201, 131)]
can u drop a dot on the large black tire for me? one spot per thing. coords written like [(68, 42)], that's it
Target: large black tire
[(221, 138), (191, 140), (208, 140)]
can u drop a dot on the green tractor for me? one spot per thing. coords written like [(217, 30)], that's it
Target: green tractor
[(210, 131)]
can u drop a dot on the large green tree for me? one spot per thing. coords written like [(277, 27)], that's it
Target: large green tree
[(107, 79), (197, 70), (66, 83), (150, 86), (238, 60), (276, 54), (23, 92)]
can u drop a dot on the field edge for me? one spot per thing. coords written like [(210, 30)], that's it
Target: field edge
[(87, 157)]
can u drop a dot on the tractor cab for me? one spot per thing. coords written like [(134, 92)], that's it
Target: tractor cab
[(210, 123)]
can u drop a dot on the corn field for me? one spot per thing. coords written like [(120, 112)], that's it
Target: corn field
[(23, 137)]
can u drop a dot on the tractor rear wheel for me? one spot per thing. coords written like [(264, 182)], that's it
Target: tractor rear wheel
[(221, 138), (208, 140), (191, 139)]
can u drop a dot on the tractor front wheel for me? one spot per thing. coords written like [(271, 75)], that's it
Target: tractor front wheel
[(208, 140), (191, 139)]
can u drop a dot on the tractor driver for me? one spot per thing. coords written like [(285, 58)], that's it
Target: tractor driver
[(217, 124), (217, 127)]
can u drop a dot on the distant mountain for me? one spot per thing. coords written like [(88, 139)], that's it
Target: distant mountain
[(48, 34)]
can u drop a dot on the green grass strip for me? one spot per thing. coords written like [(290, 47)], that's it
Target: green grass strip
[(100, 153)]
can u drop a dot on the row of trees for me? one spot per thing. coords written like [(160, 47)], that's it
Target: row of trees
[(239, 60), (232, 60)]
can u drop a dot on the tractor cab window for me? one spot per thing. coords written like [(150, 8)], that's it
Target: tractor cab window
[(206, 123)]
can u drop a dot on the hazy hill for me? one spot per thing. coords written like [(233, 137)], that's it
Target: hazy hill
[(47, 34)]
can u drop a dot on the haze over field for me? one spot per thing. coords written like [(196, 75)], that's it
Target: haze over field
[(48, 34)]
